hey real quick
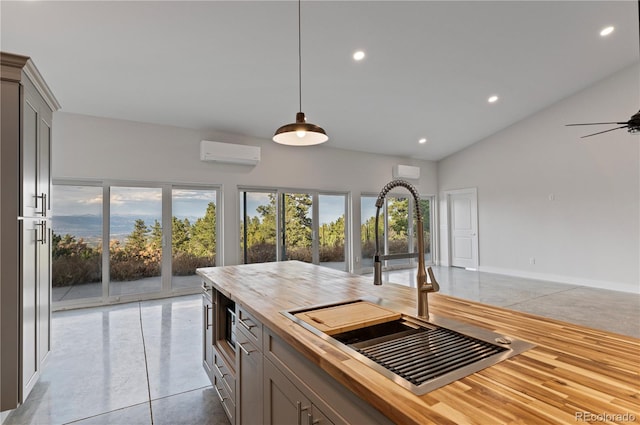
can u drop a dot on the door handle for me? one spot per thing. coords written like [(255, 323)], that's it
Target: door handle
[(43, 229), (43, 206)]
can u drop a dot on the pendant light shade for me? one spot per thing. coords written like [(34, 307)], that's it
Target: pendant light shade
[(300, 133)]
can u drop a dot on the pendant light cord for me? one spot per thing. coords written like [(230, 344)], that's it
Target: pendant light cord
[(300, 57)]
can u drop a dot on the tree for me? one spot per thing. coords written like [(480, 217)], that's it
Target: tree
[(203, 234), (137, 239), (181, 234), (156, 235), (398, 209)]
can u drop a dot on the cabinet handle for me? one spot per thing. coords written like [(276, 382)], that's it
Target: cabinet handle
[(299, 410), (219, 395), (206, 316), (248, 353), (247, 327), (219, 371)]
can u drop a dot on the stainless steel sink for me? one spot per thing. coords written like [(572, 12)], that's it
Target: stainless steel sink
[(418, 355)]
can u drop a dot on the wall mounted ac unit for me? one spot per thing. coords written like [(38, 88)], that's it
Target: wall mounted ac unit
[(229, 153), (406, 172)]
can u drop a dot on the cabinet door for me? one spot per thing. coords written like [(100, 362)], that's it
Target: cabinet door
[(284, 404), (29, 161), (43, 186), (207, 335), (317, 417), (249, 373), (30, 362), (44, 289)]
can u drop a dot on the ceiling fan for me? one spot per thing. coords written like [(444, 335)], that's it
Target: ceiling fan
[(632, 126)]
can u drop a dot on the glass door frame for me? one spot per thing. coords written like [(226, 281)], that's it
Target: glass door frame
[(166, 265), (315, 195), (410, 226)]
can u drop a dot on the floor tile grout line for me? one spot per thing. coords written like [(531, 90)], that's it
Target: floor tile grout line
[(541, 296), (103, 413), (146, 363), (182, 392)]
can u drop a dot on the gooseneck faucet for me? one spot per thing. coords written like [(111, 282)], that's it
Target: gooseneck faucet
[(426, 281)]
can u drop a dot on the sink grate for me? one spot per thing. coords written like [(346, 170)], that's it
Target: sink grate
[(428, 353)]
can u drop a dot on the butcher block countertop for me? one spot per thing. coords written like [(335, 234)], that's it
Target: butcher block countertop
[(573, 374)]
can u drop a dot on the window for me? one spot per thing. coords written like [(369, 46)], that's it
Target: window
[(258, 227), (76, 251), (155, 238), (278, 225), (397, 229), (193, 234), (135, 240)]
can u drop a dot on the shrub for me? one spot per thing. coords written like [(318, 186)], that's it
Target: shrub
[(185, 264)]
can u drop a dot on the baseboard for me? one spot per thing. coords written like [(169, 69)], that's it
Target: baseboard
[(601, 284)]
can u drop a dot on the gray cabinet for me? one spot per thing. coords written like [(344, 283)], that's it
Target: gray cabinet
[(218, 355), (207, 332), (272, 383), (249, 365), (285, 404), (25, 235)]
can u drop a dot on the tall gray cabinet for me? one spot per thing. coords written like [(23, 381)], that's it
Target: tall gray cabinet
[(25, 229)]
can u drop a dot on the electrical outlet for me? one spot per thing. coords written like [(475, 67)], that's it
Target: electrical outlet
[(532, 260)]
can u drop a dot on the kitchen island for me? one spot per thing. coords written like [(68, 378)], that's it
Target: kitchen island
[(573, 374)]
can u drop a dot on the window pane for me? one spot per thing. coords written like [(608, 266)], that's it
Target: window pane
[(331, 212), (135, 245), (194, 235), (258, 227), (297, 225), (367, 229), (76, 242), (425, 210), (398, 228)]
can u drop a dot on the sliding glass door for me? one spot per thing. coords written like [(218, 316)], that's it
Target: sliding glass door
[(153, 239), (280, 225), (258, 240), (76, 252), (135, 240), (193, 234), (332, 231), (397, 229)]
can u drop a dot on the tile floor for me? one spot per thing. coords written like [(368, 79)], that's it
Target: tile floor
[(140, 363)]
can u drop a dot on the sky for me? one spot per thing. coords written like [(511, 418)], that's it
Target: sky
[(142, 201), (87, 200)]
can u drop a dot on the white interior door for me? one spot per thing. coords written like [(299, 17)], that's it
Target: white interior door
[(463, 207)]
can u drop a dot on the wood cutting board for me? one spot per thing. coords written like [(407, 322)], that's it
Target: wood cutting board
[(347, 317)]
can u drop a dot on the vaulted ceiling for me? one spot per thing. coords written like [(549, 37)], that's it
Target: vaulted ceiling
[(232, 66)]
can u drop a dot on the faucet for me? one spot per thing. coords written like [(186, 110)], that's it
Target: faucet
[(426, 281)]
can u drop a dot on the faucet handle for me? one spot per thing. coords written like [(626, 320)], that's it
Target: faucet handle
[(431, 280)]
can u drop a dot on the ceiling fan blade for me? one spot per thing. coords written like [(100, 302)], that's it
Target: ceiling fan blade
[(606, 131), (597, 123)]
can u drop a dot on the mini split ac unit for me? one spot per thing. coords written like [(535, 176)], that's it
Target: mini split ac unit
[(229, 153), (406, 172)]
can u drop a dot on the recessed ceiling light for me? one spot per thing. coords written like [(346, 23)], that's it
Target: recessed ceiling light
[(493, 99), (606, 31), (358, 55), (422, 141)]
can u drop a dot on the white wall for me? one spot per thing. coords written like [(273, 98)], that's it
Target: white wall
[(544, 193), (91, 148)]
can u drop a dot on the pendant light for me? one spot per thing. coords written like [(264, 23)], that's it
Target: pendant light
[(300, 133)]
